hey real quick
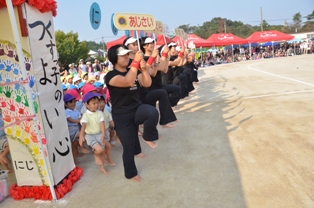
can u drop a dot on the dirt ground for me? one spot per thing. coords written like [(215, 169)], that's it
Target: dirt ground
[(244, 139)]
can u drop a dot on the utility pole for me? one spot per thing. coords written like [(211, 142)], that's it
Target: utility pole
[(225, 27), (103, 46), (261, 20)]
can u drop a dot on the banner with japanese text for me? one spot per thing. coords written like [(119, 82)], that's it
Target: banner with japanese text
[(22, 135), (159, 29), (46, 71), (127, 21)]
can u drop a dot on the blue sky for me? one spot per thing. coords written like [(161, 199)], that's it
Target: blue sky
[(74, 15)]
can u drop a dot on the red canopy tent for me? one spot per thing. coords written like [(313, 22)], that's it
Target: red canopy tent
[(198, 41), (226, 39), (115, 42), (267, 36)]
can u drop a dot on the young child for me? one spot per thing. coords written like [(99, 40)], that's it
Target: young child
[(69, 80), (78, 107), (109, 126), (4, 147), (73, 119), (93, 127)]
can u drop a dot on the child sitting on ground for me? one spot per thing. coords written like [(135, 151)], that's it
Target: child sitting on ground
[(73, 119), (93, 128), (4, 147), (109, 126)]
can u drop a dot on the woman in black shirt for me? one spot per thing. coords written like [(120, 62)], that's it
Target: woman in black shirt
[(127, 110), (155, 65)]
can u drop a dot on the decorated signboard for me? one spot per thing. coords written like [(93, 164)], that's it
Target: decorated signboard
[(159, 29), (128, 21), (31, 100)]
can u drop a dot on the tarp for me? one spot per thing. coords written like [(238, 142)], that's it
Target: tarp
[(295, 40), (226, 39), (266, 36), (270, 44), (115, 42)]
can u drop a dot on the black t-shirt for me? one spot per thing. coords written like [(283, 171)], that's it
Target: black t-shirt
[(156, 80), (123, 99), (167, 78), (176, 70), (142, 91)]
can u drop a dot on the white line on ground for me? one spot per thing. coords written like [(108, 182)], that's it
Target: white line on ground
[(277, 94), (295, 80)]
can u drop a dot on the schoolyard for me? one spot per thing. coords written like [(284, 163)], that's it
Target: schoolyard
[(244, 139)]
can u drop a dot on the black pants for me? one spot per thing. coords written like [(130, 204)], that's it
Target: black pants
[(166, 113), (180, 80), (195, 76), (174, 93), (189, 82), (127, 131)]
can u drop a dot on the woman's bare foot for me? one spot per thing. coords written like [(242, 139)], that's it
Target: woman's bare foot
[(137, 178), (102, 168), (168, 125), (141, 155), (111, 163), (186, 98), (85, 151), (151, 144)]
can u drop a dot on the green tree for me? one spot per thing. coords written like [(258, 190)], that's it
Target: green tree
[(297, 20), (92, 45), (70, 49), (309, 24)]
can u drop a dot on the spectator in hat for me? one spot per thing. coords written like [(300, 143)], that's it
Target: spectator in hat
[(69, 80), (96, 66), (109, 127), (76, 80), (127, 111), (82, 67), (91, 80), (89, 68), (93, 129), (97, 76), (72, 69), (73, 119), (84, 76), (84, 90)]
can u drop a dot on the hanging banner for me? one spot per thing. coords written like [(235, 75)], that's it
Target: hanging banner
[(128, 21), (159, 28), (95, 16), (47, 80)]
